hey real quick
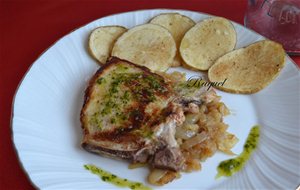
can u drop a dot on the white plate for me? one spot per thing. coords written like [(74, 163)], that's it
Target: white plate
[(47, 131)]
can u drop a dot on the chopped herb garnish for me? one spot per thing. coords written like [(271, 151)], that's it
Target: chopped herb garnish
[(123, 88), (100, 80), (113, 120)]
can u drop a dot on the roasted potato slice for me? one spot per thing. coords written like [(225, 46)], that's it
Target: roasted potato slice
[(177, 25), (250, 69), (207, 41), (101, 41), (148, 45)]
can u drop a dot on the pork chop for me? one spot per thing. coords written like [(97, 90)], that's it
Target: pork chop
[(131, 113)]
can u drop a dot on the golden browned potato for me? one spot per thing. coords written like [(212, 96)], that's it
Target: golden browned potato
[(148, 45), (101, 41), (178, 25), (207, 41), (250, 69)]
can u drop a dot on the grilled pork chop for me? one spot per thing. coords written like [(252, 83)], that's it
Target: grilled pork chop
[(131, 113)]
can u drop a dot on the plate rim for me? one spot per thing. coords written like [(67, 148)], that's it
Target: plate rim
[(74, 30)]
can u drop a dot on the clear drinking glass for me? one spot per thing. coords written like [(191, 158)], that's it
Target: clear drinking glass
[(278, 20)]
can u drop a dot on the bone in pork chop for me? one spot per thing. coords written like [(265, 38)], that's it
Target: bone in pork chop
[(131, 113)]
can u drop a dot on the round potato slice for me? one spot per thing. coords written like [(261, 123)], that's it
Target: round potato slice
[(101, 41), (207, 41), (177, 25), (250, 69), (148, 45)]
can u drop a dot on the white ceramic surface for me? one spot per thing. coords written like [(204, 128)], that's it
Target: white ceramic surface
[(47, 131)]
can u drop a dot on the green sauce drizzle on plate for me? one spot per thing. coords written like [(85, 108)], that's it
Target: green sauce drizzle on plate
[(229, 167), (113, 179)]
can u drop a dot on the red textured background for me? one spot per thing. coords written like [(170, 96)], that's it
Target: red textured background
[(27, 28)]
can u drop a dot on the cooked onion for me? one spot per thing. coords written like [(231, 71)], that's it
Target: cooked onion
[(194, 140), (226, 143), (223, 109), (192, 165), (185, 132), (200, 135), (136, 165), (191, 127), (191, 118), (155, 175)]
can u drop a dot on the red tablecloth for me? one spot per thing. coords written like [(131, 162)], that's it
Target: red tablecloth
[(29, 28)]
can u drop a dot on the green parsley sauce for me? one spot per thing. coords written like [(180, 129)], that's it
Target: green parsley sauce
[(229, 167), (113, 179)]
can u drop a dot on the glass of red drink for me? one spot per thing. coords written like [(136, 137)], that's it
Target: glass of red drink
[(278, 20)]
